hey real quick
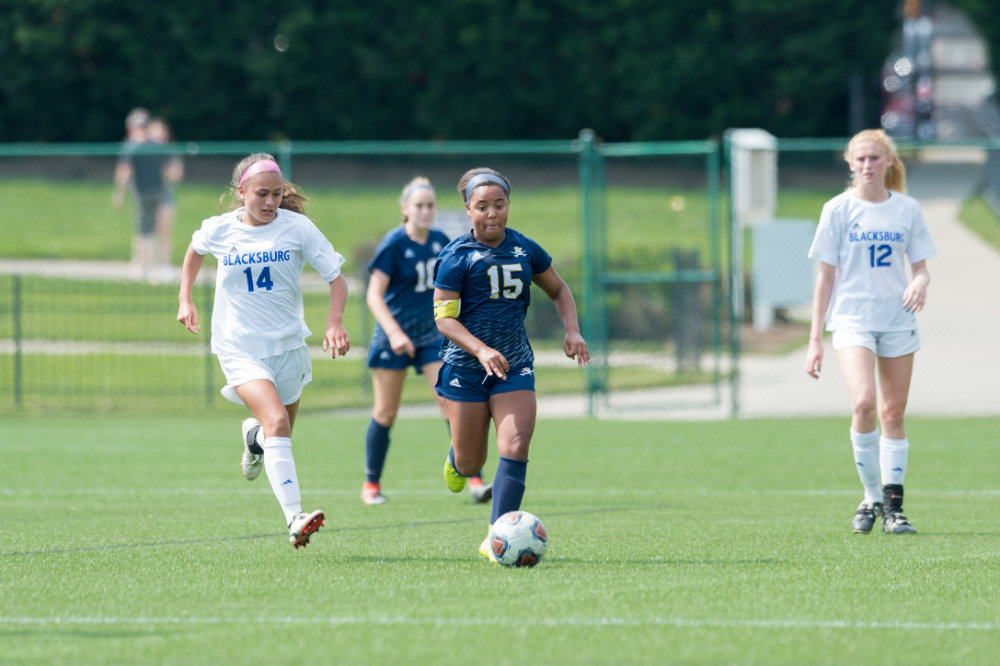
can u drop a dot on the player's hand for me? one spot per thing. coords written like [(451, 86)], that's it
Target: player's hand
[(915, 296), (401, 344), (493, 362), (576, 347), (187, 314), (336, 340), (814, 358)]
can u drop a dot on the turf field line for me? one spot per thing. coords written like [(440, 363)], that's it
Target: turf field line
[(541, 492), (528, 622)]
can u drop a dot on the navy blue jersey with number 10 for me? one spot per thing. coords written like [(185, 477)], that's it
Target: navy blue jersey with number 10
[(494, 285), (410, 294)]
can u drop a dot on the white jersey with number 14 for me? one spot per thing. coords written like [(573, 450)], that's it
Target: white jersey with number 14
[(258, 301)]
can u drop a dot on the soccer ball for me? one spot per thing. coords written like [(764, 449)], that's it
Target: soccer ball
[(518, 539)]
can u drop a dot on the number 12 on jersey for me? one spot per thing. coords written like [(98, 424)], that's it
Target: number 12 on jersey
[(879, 256)]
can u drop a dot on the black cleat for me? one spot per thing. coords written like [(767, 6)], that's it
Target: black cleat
[(893, 520), (864, 519)]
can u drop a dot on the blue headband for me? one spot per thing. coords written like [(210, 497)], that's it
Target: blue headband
[(486, 179)]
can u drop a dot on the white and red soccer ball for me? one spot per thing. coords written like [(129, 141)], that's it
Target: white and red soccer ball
[(518, 539)]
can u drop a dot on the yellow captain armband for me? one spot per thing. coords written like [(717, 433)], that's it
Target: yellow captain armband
[(447, 309)]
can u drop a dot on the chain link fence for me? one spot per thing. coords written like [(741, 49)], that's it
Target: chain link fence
[(644, 234), (633, 228)]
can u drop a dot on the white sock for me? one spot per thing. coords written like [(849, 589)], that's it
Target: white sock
[(892, 456), (866, 461), (280, 468)]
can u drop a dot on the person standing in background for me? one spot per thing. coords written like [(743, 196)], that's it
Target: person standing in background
[(865, 238), (141, 164)]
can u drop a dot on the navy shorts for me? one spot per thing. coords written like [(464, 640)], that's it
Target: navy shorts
[(384, 357), (474, 385)]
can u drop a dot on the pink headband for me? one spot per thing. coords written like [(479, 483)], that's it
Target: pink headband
[(260, 167)]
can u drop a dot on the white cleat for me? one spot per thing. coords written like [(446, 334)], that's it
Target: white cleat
[(303, 526), (252, 463), (481, 492)]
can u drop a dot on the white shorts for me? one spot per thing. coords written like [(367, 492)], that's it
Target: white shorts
[(289, 372), (889, 344)]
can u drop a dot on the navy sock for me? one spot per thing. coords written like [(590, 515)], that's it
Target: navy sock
[(376, 448), (508, 486), (451, 457)]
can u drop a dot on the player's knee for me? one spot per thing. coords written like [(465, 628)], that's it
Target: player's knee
[(516, 448), (468, 464), (891, 415), (385, 416), (864, 406), (276, 424)]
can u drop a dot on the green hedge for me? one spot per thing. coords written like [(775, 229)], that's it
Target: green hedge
[(632, 70)]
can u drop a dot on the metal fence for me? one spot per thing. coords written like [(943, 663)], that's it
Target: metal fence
[(635, 229)]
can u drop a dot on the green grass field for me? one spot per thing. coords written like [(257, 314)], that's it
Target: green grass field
[(134, 539)]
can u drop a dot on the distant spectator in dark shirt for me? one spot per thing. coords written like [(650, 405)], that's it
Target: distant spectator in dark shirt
[(141, 163)]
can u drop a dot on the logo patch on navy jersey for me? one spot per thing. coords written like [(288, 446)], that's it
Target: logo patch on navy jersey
[(408, 253), (455, 383), (476, 256), (526, 372), (519, 251)]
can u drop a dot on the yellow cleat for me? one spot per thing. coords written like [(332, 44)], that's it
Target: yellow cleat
[(454, 480), (486, 551)]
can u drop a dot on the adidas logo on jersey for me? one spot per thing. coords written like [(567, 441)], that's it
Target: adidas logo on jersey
[(408, 253), (455, 383)]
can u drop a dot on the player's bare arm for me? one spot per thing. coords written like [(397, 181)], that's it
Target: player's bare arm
[(574, 346), (821, 301), (187, 313), (399, 341), (336, 339), (915, 295)]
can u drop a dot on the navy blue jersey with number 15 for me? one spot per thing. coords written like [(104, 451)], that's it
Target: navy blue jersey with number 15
[(494, 285)]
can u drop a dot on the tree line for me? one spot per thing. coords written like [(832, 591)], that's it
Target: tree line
[(632, 70)]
